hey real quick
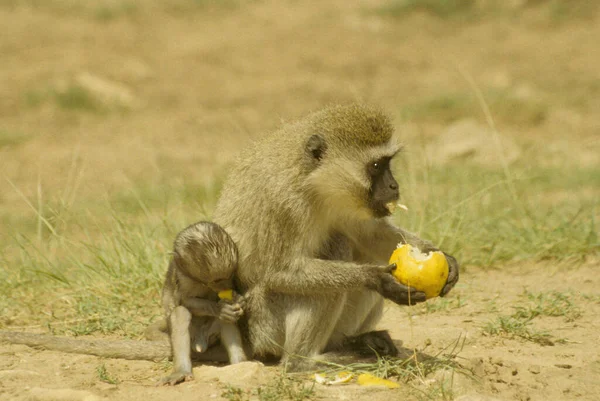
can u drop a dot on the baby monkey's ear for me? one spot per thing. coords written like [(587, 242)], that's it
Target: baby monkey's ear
[(316, 147)]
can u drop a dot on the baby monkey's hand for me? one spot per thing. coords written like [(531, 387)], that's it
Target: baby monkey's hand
[(230, 310)]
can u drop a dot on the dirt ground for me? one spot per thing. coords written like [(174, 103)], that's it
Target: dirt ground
[(175, 84), (502, 368)]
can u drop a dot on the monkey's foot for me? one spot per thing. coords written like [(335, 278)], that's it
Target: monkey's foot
[(378, 342), (302, 364), (176, 378), (237, 359)]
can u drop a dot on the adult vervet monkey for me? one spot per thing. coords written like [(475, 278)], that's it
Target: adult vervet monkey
[(307, 207)]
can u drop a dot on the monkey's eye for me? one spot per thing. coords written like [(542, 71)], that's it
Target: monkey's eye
[(374, 168)]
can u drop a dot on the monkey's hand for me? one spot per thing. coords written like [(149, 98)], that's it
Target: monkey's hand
[(452, 274), (229, 311), (239, 299), (391, 289)]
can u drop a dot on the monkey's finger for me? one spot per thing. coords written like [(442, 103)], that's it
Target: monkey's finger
[(399, 293), (230, 316), (229, 319), (412, 295), (453, 274), (391, 268), (234, 311), (409, 299), (235, 314)]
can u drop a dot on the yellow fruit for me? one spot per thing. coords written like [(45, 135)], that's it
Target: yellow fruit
[(425, 272), (340, 378), (369, 380), (226, 294)]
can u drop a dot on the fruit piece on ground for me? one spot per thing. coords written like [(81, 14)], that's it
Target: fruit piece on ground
[(366, 379)]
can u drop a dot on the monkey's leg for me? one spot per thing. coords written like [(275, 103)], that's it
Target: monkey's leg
[(232, 340), (157, 331), (309, 325), (355, 332), (179, 321)]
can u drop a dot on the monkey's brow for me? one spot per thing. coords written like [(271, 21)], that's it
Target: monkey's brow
[(400, 149), (390, 155)]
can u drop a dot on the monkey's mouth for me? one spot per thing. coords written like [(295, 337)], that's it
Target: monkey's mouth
[(381, 209), (391, 206), (387, 209)]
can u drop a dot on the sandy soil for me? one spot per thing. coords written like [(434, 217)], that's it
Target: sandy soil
[(501, 367)]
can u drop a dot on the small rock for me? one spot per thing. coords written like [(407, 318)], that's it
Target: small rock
[(496, 361), (239, 374), (476, 366), (136, 70), (535, 369), (106, 91), (563, 365)]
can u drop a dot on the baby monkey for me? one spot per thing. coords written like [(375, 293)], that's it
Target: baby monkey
[(203, 263)]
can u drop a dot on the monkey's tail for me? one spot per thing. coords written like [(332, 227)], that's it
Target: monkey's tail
[(123, 349)]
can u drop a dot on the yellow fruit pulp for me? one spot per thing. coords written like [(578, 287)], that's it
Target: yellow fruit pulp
[(424, 272), (366, 379), (226, 294)]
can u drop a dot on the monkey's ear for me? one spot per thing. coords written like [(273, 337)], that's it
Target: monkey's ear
[(316, 146)]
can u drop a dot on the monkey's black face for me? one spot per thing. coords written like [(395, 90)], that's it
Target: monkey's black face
[(384, 188)]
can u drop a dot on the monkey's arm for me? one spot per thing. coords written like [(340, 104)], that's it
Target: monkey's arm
[(123, 349), (379, 240), (308, 276), (226, 311), (201, 306)]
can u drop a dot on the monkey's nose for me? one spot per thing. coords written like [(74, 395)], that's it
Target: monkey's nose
[(393, 186)]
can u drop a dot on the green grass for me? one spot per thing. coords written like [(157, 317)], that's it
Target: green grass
[(282, 387), (514, 327), (439, 8), (110, 12), (556, 11), (13, 138), (566, 10), (520, 322), (452, 106), (548, 304), (72, 98), (104, 376)]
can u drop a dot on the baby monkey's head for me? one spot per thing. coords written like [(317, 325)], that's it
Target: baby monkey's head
[(206, 253)]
